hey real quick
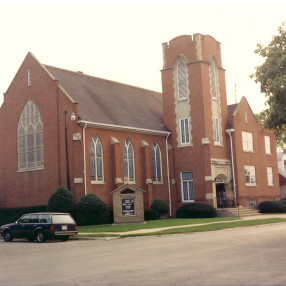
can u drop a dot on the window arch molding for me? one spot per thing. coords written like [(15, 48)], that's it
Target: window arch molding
[(30, 138), (181, 78), (128, 162), (96, 159), (156, 163)]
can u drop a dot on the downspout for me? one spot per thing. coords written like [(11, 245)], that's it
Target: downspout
[(168, 174), (229, 132), (84, 159)]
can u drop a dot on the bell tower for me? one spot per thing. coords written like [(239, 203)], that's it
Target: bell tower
[(195, 111)]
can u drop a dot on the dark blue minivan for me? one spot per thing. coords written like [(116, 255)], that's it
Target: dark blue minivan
[(40, 226)]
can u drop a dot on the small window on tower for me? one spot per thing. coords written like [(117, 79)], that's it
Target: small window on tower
[(29, 77)]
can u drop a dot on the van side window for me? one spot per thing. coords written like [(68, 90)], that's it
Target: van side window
[(34, 218), (24, 219), (45, 218)]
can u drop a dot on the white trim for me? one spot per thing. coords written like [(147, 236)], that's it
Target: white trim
[(97, 182), (96, 140), (246, 138), (182, 189), (270, 184), (250, 168), (123, 128), (155, 144), (168, 176), (184, 70), (127, 146), (84, 159), (267, 145), (189, 137), (29, 83)]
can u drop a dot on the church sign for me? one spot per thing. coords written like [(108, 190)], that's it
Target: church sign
[(128, 204), (128, 207)]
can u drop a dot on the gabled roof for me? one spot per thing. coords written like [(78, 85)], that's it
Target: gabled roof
[(231, 112), (282, 173), (108, 102)]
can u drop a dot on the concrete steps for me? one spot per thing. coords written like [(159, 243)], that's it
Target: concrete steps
[(238, 212)]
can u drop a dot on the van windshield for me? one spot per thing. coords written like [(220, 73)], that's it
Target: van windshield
[(62, 219)]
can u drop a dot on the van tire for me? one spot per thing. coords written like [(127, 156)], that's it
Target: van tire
[(40, 237)]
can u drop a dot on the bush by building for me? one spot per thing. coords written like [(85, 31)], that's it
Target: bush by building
[(196, 210), (62, 200), (160, 206), (92, 210), (272, 207), (150, 215), (12, 214)]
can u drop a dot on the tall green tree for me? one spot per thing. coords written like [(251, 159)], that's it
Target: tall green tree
[(272, 78)]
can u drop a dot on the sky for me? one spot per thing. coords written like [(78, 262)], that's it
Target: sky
[(122, 41)]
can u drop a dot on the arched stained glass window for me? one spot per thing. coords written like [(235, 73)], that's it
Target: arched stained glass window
[(128, 162), (156, 163), (30, 138), (214, 79), (96, 159), (182, 79)]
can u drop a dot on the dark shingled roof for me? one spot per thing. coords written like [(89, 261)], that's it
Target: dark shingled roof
[(231, 110), (109, 102)]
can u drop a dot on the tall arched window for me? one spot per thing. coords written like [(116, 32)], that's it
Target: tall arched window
[(214, 78), (96, 159), (156, 163), (30, 138), (182, 79), (128, 162)]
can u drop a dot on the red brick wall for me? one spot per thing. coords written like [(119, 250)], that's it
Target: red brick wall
[(142, 158), (34, 187), (258, 158)]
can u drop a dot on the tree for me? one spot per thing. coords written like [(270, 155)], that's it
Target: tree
[(272, 78)]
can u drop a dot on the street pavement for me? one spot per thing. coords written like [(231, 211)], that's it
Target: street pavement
[(239, 256)]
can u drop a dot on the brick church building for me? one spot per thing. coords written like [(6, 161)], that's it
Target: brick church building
[(93, 135)]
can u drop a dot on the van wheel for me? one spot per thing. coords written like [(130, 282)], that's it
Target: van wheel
[(40, 236), (7, 236)]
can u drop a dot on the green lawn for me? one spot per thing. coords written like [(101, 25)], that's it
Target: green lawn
[(149, 224), (216, 224)]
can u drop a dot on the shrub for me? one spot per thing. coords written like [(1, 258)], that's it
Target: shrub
[(62, 200), (160, 206), (283, 201), (111, 214), (196, 210), (272, 207), (92, 210), (12, 214), (150, 215)]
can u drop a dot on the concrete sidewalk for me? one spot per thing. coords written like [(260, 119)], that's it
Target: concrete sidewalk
[(151, 230)]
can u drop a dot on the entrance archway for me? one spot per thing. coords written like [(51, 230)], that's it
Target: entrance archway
[(220, 192)]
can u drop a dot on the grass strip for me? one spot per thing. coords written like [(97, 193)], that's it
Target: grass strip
[(150, 224), (191, 229)]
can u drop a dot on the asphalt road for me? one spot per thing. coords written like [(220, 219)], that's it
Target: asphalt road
[(241, 256)]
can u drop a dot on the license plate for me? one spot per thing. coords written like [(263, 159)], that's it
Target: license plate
[(64, 227)]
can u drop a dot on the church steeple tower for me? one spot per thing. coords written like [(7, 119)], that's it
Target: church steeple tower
[(195, 110)]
